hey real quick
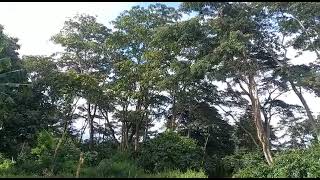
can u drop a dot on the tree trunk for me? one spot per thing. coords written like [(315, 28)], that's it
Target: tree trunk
[(83, 130), (306, 107), (124, 129), (146, 128), (109, 125), (137, 125), (172, 125), (22, 149), (64, 133), (266, 124), (303, 101), (122, 137), (145, 135), (81, 160), (256, 112), (91, 126), (136, 140), (127, 135)]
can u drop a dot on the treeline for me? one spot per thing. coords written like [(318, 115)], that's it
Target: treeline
[(217, 80)]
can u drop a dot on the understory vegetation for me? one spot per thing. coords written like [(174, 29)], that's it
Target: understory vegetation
[(196, 91)]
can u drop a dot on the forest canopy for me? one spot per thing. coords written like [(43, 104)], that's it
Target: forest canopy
[(158, 95)]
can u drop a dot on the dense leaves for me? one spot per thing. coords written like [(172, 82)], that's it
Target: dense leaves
[(160, 95)]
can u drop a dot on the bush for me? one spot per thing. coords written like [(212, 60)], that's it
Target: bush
[(240, 160), (297, 163), (118, 166), (170, 151), (179, 174), (40, 160), (214, 166), (101, 151), (5, 166)]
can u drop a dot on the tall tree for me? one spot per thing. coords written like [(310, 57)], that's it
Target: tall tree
[(134, 83), (241, 53), (83, 39)]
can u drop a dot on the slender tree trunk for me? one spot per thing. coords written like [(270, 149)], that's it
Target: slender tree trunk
[(22, 148), (146, 128), (105, 115), (127, 135), (105, 129), (172, 125), (122, 137), (81, 160), (306, 107), (137, 125), (99, 133), (136, 140), (256, 112), (205, 146), (64, 133), (91, 126), (303, 101), (145, 135), (83, 130), (266, 124), (124, 129)]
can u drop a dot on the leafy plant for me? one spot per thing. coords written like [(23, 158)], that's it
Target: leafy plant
[(179, 174), (120, 165), (170, 151)]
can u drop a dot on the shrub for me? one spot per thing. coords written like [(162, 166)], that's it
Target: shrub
[(170, 151), (101, 151), (215, 167), (179, 174), (240, 160), (120, 165), (5, 166), (40, 160), (296, 163)]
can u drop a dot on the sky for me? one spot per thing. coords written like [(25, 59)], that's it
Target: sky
[(34, 23)]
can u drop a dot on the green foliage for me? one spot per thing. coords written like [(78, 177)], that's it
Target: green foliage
[(163, 66), (179, 174), (40, 159), (170, 151), (294, 163), (6, 165), (120, 165), (240, 160)]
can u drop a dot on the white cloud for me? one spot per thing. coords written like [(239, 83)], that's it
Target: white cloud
[(35, 22)]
